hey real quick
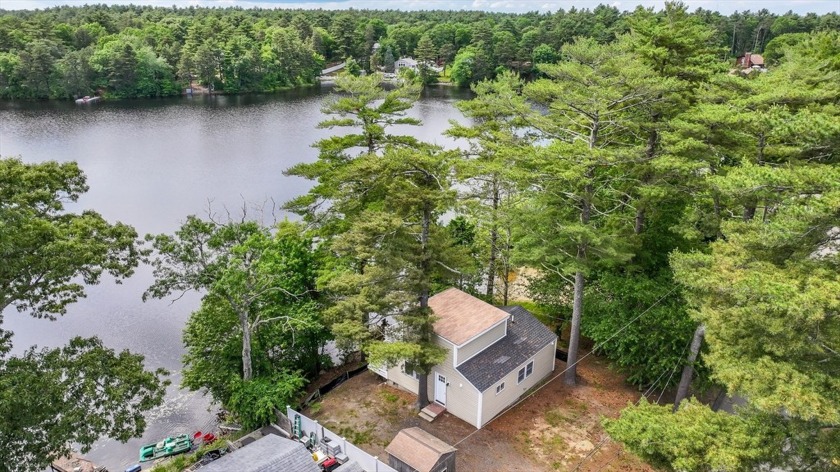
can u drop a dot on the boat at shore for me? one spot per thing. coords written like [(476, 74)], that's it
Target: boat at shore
[(167, 447), (87, 99)]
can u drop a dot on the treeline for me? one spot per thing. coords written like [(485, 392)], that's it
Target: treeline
[(681, 216), (141, 51)]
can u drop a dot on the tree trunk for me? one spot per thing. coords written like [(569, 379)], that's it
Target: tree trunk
[(494, 241), (640, 221), (577, 306), (688, 370), (423, 375), (247, 370), (574, 333), (650, 153), (749, 211)]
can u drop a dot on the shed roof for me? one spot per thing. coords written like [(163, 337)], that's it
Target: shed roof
[(525, 337), (267, 454), (418, 449), (351, 466), (462, 316)]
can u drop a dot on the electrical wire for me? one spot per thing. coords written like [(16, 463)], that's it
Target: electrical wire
[(619, 331)]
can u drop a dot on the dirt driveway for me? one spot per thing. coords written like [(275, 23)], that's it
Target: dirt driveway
[(556, 429)]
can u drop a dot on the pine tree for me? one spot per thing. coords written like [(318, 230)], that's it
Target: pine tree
[(426, 53), (364, 105), (405, 249), (576, 220), (496, 139)]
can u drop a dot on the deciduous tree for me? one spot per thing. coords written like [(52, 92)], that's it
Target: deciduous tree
[(53, 398)]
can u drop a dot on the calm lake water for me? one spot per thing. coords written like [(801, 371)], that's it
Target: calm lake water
[(150, 163)]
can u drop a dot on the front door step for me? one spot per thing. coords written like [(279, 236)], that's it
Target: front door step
[(432, 411)]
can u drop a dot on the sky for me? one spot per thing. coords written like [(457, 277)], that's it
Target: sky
[(511, 6)]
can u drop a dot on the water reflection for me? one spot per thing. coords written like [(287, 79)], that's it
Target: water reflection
[(150, 163)]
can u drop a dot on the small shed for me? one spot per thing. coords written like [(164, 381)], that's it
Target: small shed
[(414, 450)]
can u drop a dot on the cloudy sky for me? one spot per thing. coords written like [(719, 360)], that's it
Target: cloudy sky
[(724, 6)]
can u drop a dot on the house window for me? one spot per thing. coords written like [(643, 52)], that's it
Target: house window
[(408, 369), (525, 372), (499, 388)]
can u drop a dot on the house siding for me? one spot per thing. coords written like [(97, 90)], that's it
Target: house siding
[(492, 404), (396, 375), (461, 396), (481, 342)]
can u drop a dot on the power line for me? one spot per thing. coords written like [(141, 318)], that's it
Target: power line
[(606, 439), (676, 365), (638, 402), (620, 330)]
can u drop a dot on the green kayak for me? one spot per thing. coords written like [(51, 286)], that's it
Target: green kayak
[(167, 447)]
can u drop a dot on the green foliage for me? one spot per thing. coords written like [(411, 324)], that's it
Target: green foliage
[(649, 346), (53, 398), (695, 438), (497, 140), (544, 54), (260, 317), (48, 253), (364, 105), (254, 401), (462, 68), (236, 50), (765, 277)]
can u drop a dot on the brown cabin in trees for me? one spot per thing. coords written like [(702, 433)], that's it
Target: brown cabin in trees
[(750, 61)]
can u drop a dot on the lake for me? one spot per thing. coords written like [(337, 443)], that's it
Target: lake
[(150, 163)]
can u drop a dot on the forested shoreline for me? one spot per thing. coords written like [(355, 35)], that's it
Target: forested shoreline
[(142, 51), (679, 214)]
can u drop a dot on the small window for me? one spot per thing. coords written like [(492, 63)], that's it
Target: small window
[(409, 370), (499, 388), (525, 372)]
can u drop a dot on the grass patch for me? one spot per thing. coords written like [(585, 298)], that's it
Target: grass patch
[(556, 417), (177, 463), (358, 436), (389, 397), (391, 406), (316, 407)]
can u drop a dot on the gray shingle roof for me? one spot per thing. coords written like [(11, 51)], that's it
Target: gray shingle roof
[(525, 337), (351, 466), (267, 454)]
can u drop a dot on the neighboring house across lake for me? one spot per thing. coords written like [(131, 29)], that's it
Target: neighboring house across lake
[(404, 62), (750, 61), (494, 355)]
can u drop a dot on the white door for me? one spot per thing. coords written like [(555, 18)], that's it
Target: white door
[(440, 389)]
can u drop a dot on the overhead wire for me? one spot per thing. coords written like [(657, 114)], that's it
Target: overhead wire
[(594, 348), (607, 438)]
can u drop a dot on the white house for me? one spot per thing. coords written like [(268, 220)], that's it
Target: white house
[(494, 355), (405, 62)]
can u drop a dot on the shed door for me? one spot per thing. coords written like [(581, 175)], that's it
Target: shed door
[(440, 389)]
